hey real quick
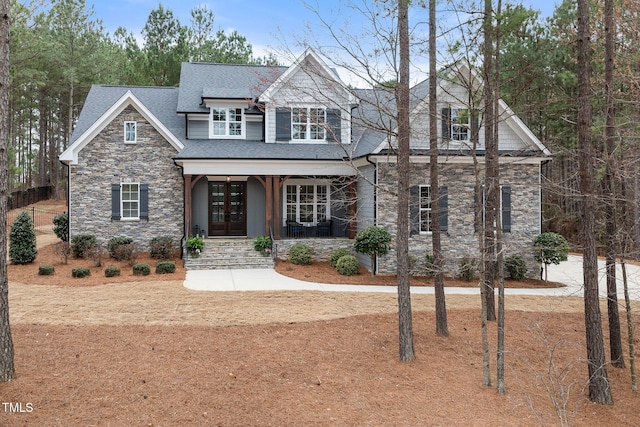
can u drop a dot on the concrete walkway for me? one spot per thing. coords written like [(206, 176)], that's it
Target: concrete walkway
[(568, 272)]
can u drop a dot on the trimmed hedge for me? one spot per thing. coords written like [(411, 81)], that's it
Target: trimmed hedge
[(112, 271), (80, 272), (348, 265), (46, 270), (336, 255), (141, 270), (165, 267), (300, 254)]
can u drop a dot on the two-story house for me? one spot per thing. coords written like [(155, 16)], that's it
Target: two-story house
[(246, 150)]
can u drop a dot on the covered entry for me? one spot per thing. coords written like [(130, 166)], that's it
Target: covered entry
[(227, 208)]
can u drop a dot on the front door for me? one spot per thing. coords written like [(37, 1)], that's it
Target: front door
[(227, 208)]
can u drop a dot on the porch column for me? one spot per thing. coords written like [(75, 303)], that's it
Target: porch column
[(276, 207), (268, 188), (353, 198), (187, 206)]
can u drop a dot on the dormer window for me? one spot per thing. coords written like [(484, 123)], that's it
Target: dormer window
[(130, 132), (227, 122), (460, 124), (308, 123)]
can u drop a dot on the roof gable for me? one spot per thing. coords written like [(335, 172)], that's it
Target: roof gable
[(92, 125), (313, 66)]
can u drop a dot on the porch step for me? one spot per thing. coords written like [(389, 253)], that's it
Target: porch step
[(228, 254)]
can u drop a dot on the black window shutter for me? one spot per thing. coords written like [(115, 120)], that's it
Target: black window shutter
[(144, 201), (446, 124), (115, 202), (283, 124), (414, 210), (443, 203), (333, 125), (506, 209)]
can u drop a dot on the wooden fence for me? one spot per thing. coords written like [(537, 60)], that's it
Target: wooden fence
[(22, 198)]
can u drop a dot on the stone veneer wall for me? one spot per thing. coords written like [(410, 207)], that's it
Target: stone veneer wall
[(461, 240), (107, 160)]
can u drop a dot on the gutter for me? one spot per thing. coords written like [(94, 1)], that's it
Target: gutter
[(184, 237)]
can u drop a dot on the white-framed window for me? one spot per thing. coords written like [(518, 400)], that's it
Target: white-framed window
[(227, 122), (307, 202), (130, 200), (460, 124), (130, 132), (425, 208), (308, 123)]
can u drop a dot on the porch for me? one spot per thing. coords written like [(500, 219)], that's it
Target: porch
[(284, 207)]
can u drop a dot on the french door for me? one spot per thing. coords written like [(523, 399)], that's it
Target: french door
[(227, 208)]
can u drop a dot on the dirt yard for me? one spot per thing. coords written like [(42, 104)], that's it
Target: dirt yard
[(152, 353)]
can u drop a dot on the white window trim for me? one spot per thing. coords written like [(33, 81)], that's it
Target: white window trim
[(421, 209), (228, 105), (466, 125), (135, 132), (307, 138), (297, 183), (122, 201)]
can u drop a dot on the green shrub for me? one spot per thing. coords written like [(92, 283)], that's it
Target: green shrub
[(165, 267), (161, 247), (141, 270), (336, 255), (22, 240), (80, 272), (262, 244), (467, 270), (300, 254), (516, 267), (550, 248), (112, 271), (348, 265), (61, 226), (114, 245), (81, 243), (372, 241), (46, 270), (194, 246)]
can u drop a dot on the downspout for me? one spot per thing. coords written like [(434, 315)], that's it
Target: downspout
[(375, 201), (184, 196)]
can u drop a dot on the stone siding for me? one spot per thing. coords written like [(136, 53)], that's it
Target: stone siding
[(107, 160), (461, 240)]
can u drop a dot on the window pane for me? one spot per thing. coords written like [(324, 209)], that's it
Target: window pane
[(460, 124), (425, 208), (130, 200), (130, 132)]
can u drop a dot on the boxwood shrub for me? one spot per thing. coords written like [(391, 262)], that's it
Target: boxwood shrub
[(336, 255), (46, 270), (300, 254), (165, 267), (80, 272), (348, 265), (516, 267), (112, 271), (141, 270)]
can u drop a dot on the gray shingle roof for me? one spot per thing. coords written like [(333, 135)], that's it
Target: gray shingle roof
[(160, 101), (231, 81)]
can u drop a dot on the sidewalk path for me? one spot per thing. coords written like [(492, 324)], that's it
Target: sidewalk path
[(568, 272)]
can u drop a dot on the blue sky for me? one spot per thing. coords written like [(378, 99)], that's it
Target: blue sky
[(267, 24)]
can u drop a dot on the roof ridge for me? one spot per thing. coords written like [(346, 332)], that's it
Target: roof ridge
[(135, 86)]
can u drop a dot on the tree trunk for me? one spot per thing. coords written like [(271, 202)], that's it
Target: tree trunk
[(599, 390), (632, 351), (402, 237), (7, 370), (441, 307), (615, 338)]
